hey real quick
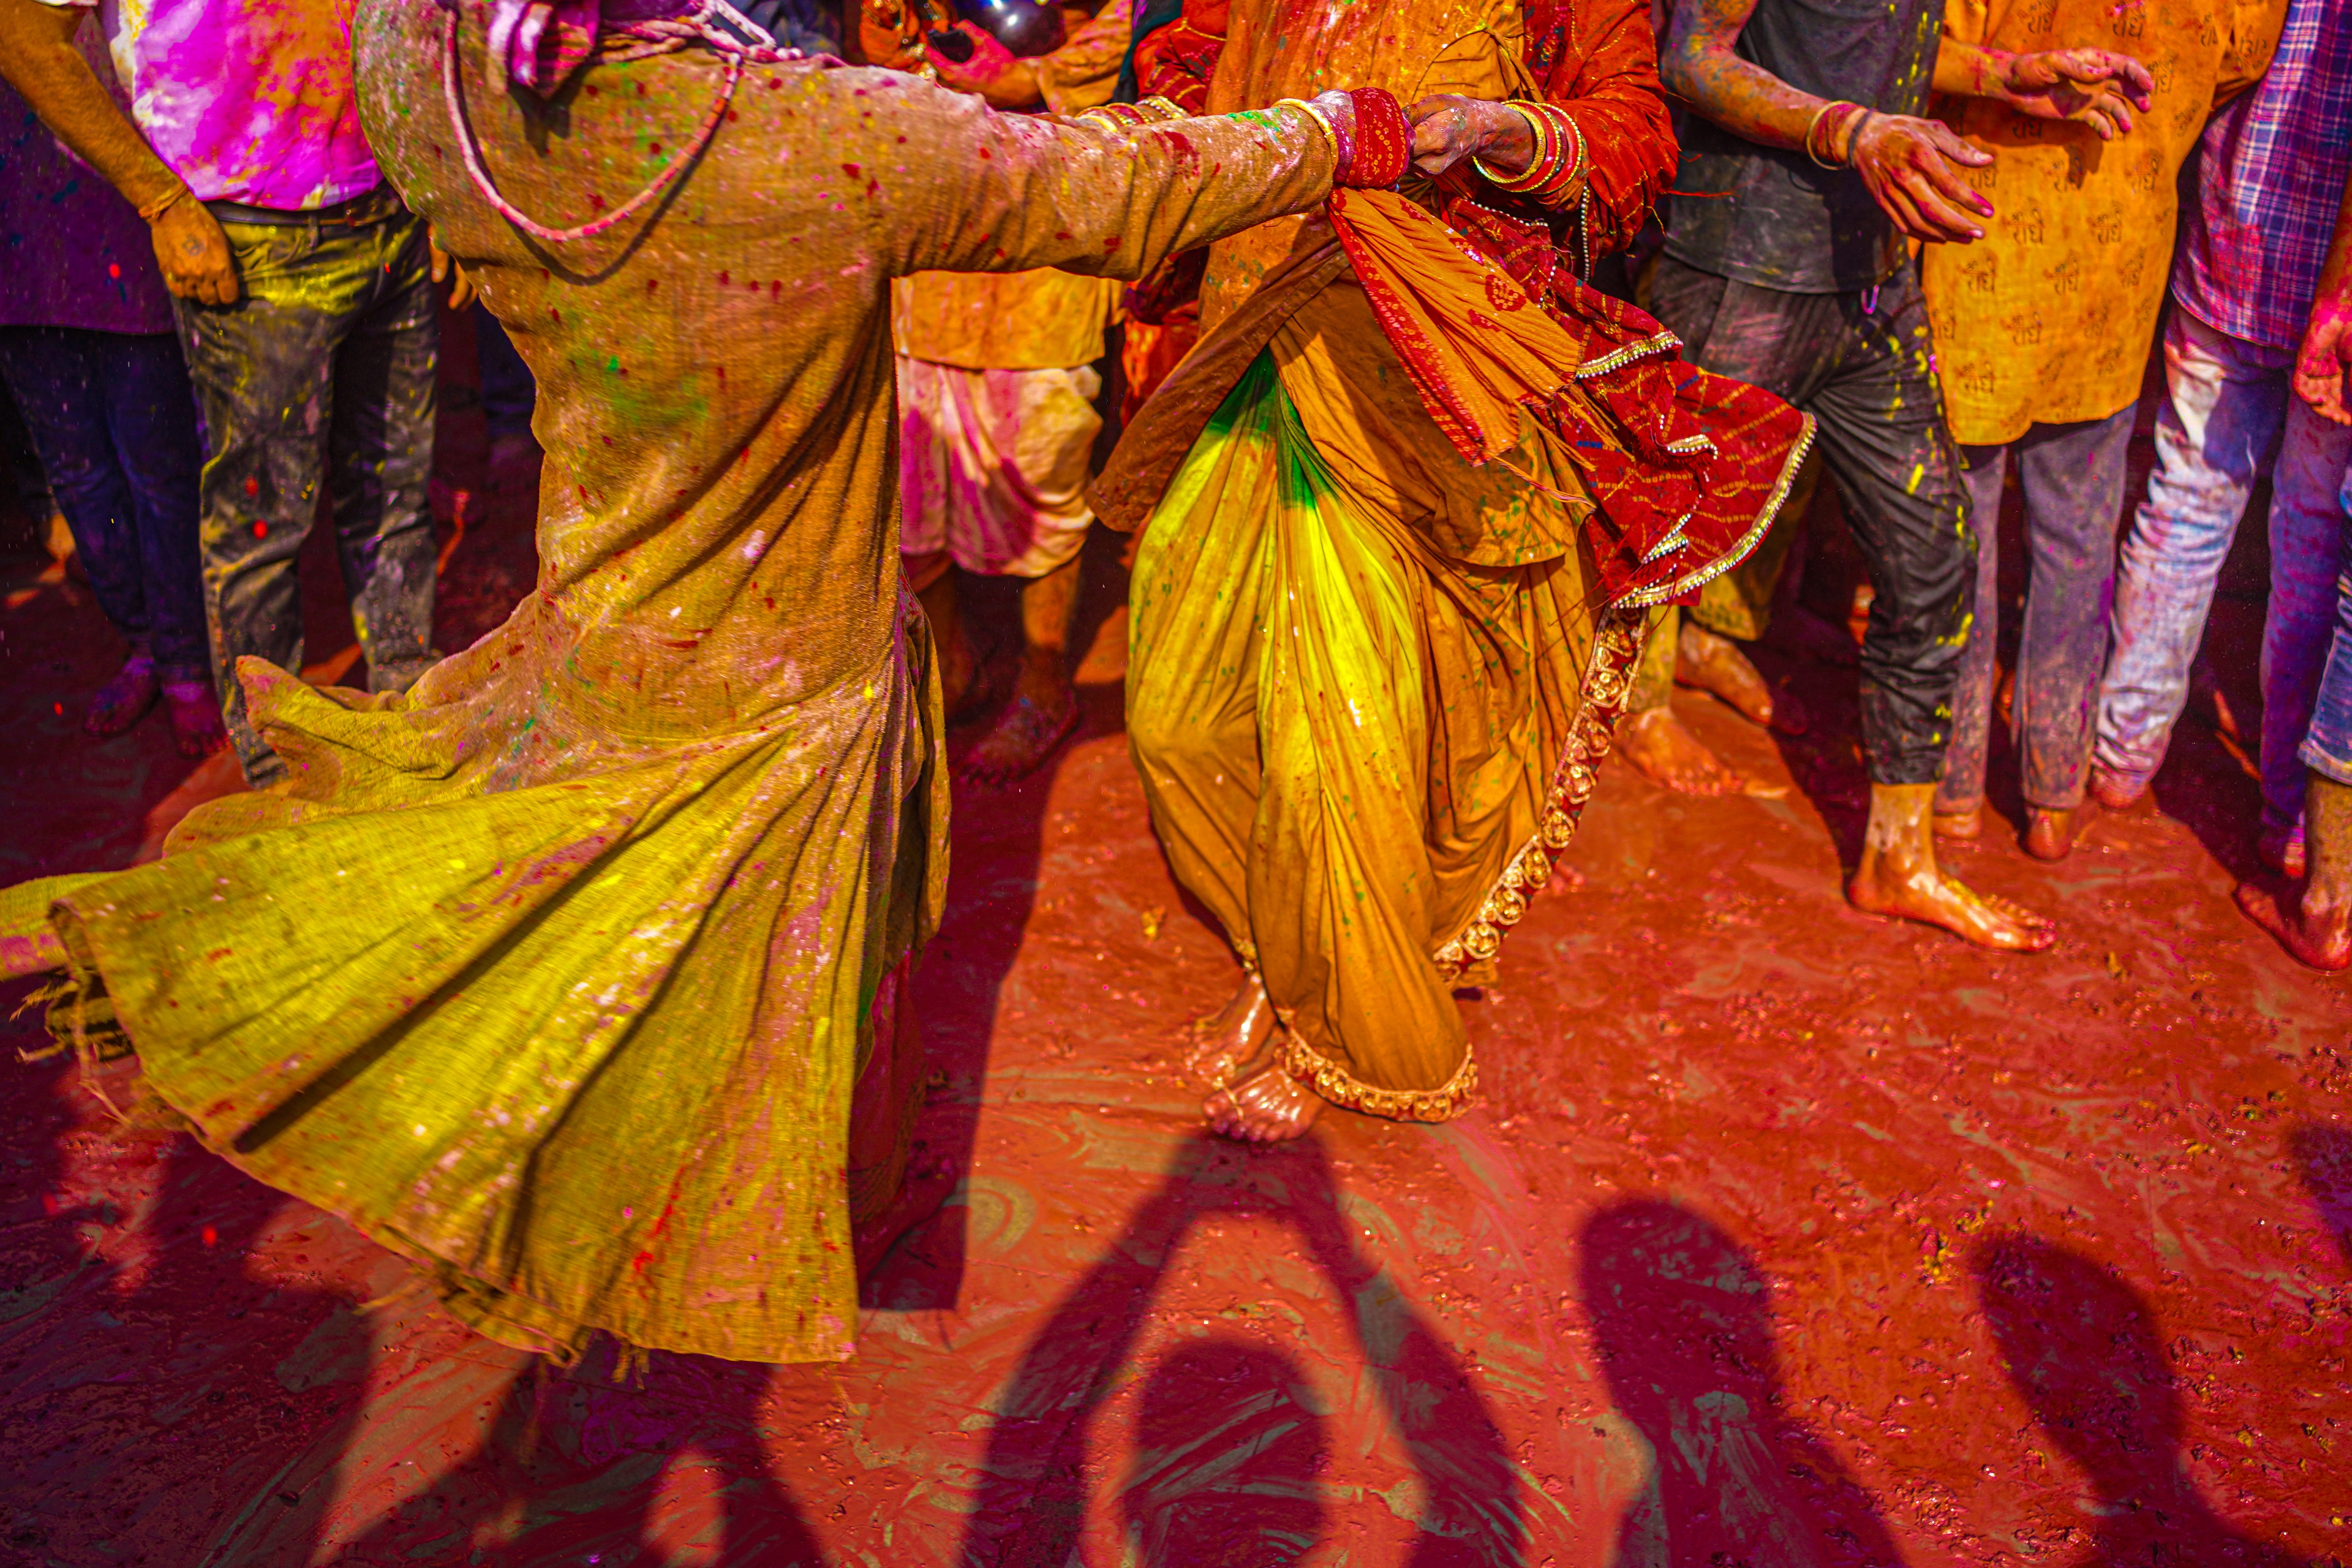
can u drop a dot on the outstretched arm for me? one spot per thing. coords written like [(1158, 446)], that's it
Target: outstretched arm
[(38, 59), (1907, 162), (969, 190)]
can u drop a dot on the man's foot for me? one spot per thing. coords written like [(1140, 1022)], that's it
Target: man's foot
[(195, 715), (1966, 826), (123, 701), (2324, 940), (1023, 735), (2114, 791), (1656, 743), (1898, 876), (1714, 664), (1232, 1041), (1267, 1106), (2051, 835), (2281, 849)]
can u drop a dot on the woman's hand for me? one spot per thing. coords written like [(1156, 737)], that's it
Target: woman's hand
[(1908, 165), (993, 72), (1448, 128)]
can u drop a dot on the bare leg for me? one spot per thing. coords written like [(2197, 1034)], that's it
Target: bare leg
[(1655, 741), (2319, 929), (1898, 876), (957, 666), (1715, 664), (1267, 1106), (1045, 705)]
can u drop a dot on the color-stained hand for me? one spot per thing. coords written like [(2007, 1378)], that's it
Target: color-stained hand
[(1448, 128), (2098, 88), (193, 253), (2323, 370), (461, 287), (993, 72), (1908, 165)]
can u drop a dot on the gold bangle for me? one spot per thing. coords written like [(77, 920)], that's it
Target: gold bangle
[(1541, 166), (1322, 122)]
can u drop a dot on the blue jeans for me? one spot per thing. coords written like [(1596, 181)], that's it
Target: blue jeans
[(2228, 410), (2327, 745), (2072, 476), (114, 422), (319, 376)]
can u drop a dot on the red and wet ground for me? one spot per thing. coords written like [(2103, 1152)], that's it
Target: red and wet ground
[(1780, 1236)]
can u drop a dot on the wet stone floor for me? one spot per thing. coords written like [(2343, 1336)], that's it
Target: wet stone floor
[(1780, 1235)]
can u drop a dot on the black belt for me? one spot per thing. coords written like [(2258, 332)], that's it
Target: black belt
[(377, 205)]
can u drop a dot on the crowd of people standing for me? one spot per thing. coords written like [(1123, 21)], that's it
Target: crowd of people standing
[(1433, 510)]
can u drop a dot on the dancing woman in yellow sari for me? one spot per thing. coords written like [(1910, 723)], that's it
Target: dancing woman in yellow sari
[(1383, 618)]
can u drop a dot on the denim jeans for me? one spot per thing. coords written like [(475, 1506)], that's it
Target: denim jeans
[(2227, 411), (321, 373), (115, 424), (2327, 744), (2072, 478), (1859, 363)]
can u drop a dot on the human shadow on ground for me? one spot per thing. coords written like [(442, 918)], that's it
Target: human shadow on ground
[(2323, 1161), (2081, 1346), (1228, 1448), (1684, 1331), (1043, 1452), (960, 989), (620, 1468)]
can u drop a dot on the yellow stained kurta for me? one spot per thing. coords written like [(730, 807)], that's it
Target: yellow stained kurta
[(2048, 319), (555, 974)]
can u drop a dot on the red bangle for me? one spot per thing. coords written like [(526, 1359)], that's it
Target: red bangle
[(1383, 142)]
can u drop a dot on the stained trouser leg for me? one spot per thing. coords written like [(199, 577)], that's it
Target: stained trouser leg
[(2308, 518), (381, 455), (262, 374), (152, 419), (2225, 400), (1883, 440), (60, 379), (2072, 476), (1963, 767)]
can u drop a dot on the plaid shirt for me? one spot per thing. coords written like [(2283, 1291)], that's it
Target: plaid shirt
[(2270, 178)]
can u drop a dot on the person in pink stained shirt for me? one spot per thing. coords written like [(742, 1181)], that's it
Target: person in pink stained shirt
[(304, 294)]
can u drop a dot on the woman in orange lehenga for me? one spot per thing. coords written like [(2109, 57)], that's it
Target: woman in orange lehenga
[(1383, 619)]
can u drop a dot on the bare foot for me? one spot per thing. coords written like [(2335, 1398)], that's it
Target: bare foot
[(124, 700), (2051, 835), (2114, 791), (1232, 1040), (1714, 664), (2322, 939), (1967, 827), (1267, 1106), (195, 715), (1898, 876), (1655, 741), (1023, 735)]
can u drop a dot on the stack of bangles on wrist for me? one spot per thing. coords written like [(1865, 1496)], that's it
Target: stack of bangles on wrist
[(1559, 160), (1844, 120), (1127, 116)]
